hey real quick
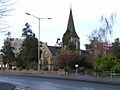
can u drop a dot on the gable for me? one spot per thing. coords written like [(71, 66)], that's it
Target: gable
[(54, 50)]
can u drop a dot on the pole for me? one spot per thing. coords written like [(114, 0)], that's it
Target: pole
[(76, 65), (85, 74), (111, 76), (39, 54), (76, 71), (39, 45)]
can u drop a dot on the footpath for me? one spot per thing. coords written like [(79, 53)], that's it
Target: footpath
[(6, 86), (83, 78)]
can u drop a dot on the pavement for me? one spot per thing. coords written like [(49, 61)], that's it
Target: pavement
[(83, 78), (6, 86), (87, 78)]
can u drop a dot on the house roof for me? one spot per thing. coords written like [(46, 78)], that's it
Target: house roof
[(54, 49)]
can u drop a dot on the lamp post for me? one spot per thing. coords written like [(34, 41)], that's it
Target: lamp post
[(76, 65), (39, 60)]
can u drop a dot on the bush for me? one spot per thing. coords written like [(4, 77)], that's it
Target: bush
[(3, 68), (20, 68), (14, 68), (55, 68), (116, 68), (81, 69), (27, 68), (23, 67), (9, 68), (46, 69), (105, 63), (67, 68), (35, 68)]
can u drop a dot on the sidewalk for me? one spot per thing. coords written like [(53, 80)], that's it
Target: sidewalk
[(85, 78), (6, 86), (104, 80)]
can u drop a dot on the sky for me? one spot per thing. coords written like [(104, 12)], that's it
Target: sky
[(86, 15)]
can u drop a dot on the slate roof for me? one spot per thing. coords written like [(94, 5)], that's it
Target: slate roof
[(54, 49), (71, 26)]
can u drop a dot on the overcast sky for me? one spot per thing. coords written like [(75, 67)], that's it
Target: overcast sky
[(86, 15)]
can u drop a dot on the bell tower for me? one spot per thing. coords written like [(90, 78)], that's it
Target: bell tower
[(70, 40)]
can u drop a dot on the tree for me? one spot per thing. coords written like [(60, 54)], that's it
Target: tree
[(116, 48), (70, 60), (8, 54), (67, 69), (104, 30), (116, 68), (28, 55), (5, 8), (27, 32), (99, 37), (106, 63)]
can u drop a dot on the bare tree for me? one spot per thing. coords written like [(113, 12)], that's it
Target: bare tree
[(107, 27), (5, 8), (99, 37), (104, 30)]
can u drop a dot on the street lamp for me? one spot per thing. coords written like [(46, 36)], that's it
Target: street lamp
[(76, 65), (39, 61)]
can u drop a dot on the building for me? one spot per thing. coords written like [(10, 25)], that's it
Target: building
[(97, 49), (49, 56), (16, 43), (1, 62), (70, 40)]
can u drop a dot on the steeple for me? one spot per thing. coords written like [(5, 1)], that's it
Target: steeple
[(70, 38), (71, 26)]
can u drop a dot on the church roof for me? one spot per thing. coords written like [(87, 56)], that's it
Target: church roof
[(54, 49), (71, 26)]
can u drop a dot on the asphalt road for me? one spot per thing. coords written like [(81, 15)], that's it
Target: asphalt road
[(35, 83)]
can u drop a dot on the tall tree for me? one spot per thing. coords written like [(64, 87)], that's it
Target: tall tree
[(27, 32), (107, 27), (99, 37), (28, 54), (8, 54), (104, 30), (5, 8)]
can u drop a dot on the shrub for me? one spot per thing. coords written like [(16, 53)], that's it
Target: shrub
[(116, 68), (27, 68), (14, 68), (46, 69), (20, 68), (35, 68), (56, 68), (105, 63), (67, 68), (81, 69)]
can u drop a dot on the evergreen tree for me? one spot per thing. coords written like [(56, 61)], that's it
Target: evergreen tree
[(28, 54), (8, 54)]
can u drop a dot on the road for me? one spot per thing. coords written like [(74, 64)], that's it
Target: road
[(35, 83)]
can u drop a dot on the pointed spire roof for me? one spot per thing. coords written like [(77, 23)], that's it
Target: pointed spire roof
[(71, 26)]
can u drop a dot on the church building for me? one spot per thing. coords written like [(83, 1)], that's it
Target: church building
[(70, 42)]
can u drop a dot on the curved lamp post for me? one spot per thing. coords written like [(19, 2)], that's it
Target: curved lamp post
[(39, 60)]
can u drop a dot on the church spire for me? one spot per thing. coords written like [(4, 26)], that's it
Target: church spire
[(70, 37), (71, 26)]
